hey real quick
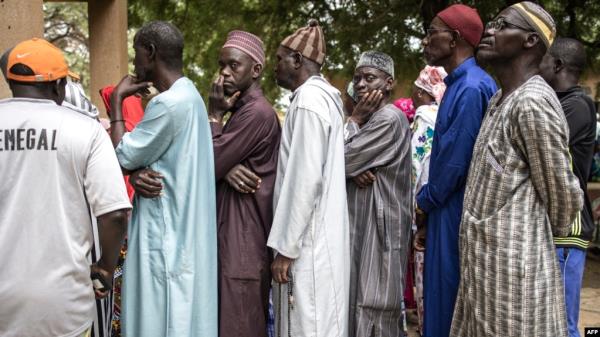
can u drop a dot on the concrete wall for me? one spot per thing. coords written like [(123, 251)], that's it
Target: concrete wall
[(24, 19), (19, 20), (108, 45)]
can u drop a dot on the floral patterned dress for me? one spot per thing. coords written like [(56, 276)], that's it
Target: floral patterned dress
[(422, 139)]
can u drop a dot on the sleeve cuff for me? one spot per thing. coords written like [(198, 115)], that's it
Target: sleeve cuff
[(423, 202)]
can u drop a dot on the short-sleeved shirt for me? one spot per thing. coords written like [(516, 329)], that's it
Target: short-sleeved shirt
[(57, 166)]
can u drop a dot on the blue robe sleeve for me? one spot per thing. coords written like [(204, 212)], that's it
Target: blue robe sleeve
[(149, 140), (449, 172)]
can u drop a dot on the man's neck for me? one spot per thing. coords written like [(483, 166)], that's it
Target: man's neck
[(302, 77), (564, 83), (164, 79), (512, 75), (457, 59)]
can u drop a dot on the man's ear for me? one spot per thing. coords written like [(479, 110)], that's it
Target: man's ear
[(256, 70), (58, 90), (389, 84), (152, 52), (558, 65), (531, 40), (298, 58)]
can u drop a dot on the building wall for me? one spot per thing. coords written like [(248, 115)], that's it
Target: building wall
[(19, 20)]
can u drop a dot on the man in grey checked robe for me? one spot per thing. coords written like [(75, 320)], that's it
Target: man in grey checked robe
[(520, 191), (378, 141)]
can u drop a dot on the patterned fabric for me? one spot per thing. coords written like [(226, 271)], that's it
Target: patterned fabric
[(421, 142), (309, 41), (117, 286), (520, 190), (419, 258), (248, 43), (431, 79), (380, 222), (406, 106), (538, 19), (377, 60)]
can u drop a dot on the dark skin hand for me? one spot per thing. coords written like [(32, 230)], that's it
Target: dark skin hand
[(421, 222), (112, 228), (218, 104), (127, 87), (419, 242), (368, 104), (146, 183), (280, 268), (106, 276), (364, 179), (242, 179)]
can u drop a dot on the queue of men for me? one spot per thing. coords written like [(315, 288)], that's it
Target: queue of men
[(318, 212)]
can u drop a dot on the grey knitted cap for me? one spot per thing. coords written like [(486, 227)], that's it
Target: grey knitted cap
[(377, 60)]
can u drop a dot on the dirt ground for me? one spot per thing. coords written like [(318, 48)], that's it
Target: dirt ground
[(589, 314)]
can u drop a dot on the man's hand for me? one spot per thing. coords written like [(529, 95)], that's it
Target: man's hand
[(108, 277), (242, 179), (146, 183), (420, 217), (280, 268), (364, 179), (366, 107), (218, 105), (420, 239), (130, 86)]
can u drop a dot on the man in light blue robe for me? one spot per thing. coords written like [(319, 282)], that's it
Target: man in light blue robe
[(170, 273)]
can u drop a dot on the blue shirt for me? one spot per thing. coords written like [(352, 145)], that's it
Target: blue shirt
[(170, 274), (461, 111)]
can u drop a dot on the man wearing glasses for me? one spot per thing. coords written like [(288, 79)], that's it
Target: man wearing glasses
[(450, 43), (520, 190)]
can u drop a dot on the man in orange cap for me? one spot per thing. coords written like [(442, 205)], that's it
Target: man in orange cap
[(58, 165), (450, 43)]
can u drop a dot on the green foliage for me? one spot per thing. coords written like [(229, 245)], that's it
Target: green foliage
[(66, 25), (350, 26)]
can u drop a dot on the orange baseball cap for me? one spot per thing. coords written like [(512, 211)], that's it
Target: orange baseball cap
[(46, 61)]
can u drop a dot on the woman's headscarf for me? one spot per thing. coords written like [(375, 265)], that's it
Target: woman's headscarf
[(431, 80), (407, 107)]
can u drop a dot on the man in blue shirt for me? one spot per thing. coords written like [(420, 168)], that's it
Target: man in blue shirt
[(450, 43), (170, 274)]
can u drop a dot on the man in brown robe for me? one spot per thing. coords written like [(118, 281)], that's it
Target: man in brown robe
[(245, 150), (248, 142)]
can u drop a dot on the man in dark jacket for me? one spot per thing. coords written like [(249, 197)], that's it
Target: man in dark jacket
[(561, 68)]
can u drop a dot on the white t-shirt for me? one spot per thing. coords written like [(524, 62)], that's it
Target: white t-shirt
[(54, 164)]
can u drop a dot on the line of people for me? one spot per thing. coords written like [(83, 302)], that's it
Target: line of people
[(320, 211)]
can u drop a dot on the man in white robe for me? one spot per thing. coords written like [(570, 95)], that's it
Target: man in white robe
[(310, 227)]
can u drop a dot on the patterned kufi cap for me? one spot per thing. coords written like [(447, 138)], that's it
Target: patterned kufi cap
[(538, 19), (249, 43), (377, 60), (308, 41)]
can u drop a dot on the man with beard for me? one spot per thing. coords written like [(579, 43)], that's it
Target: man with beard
[(310, 226), (170, 283), (380, 213), (520, 190), (450, 43), (562, 67)]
